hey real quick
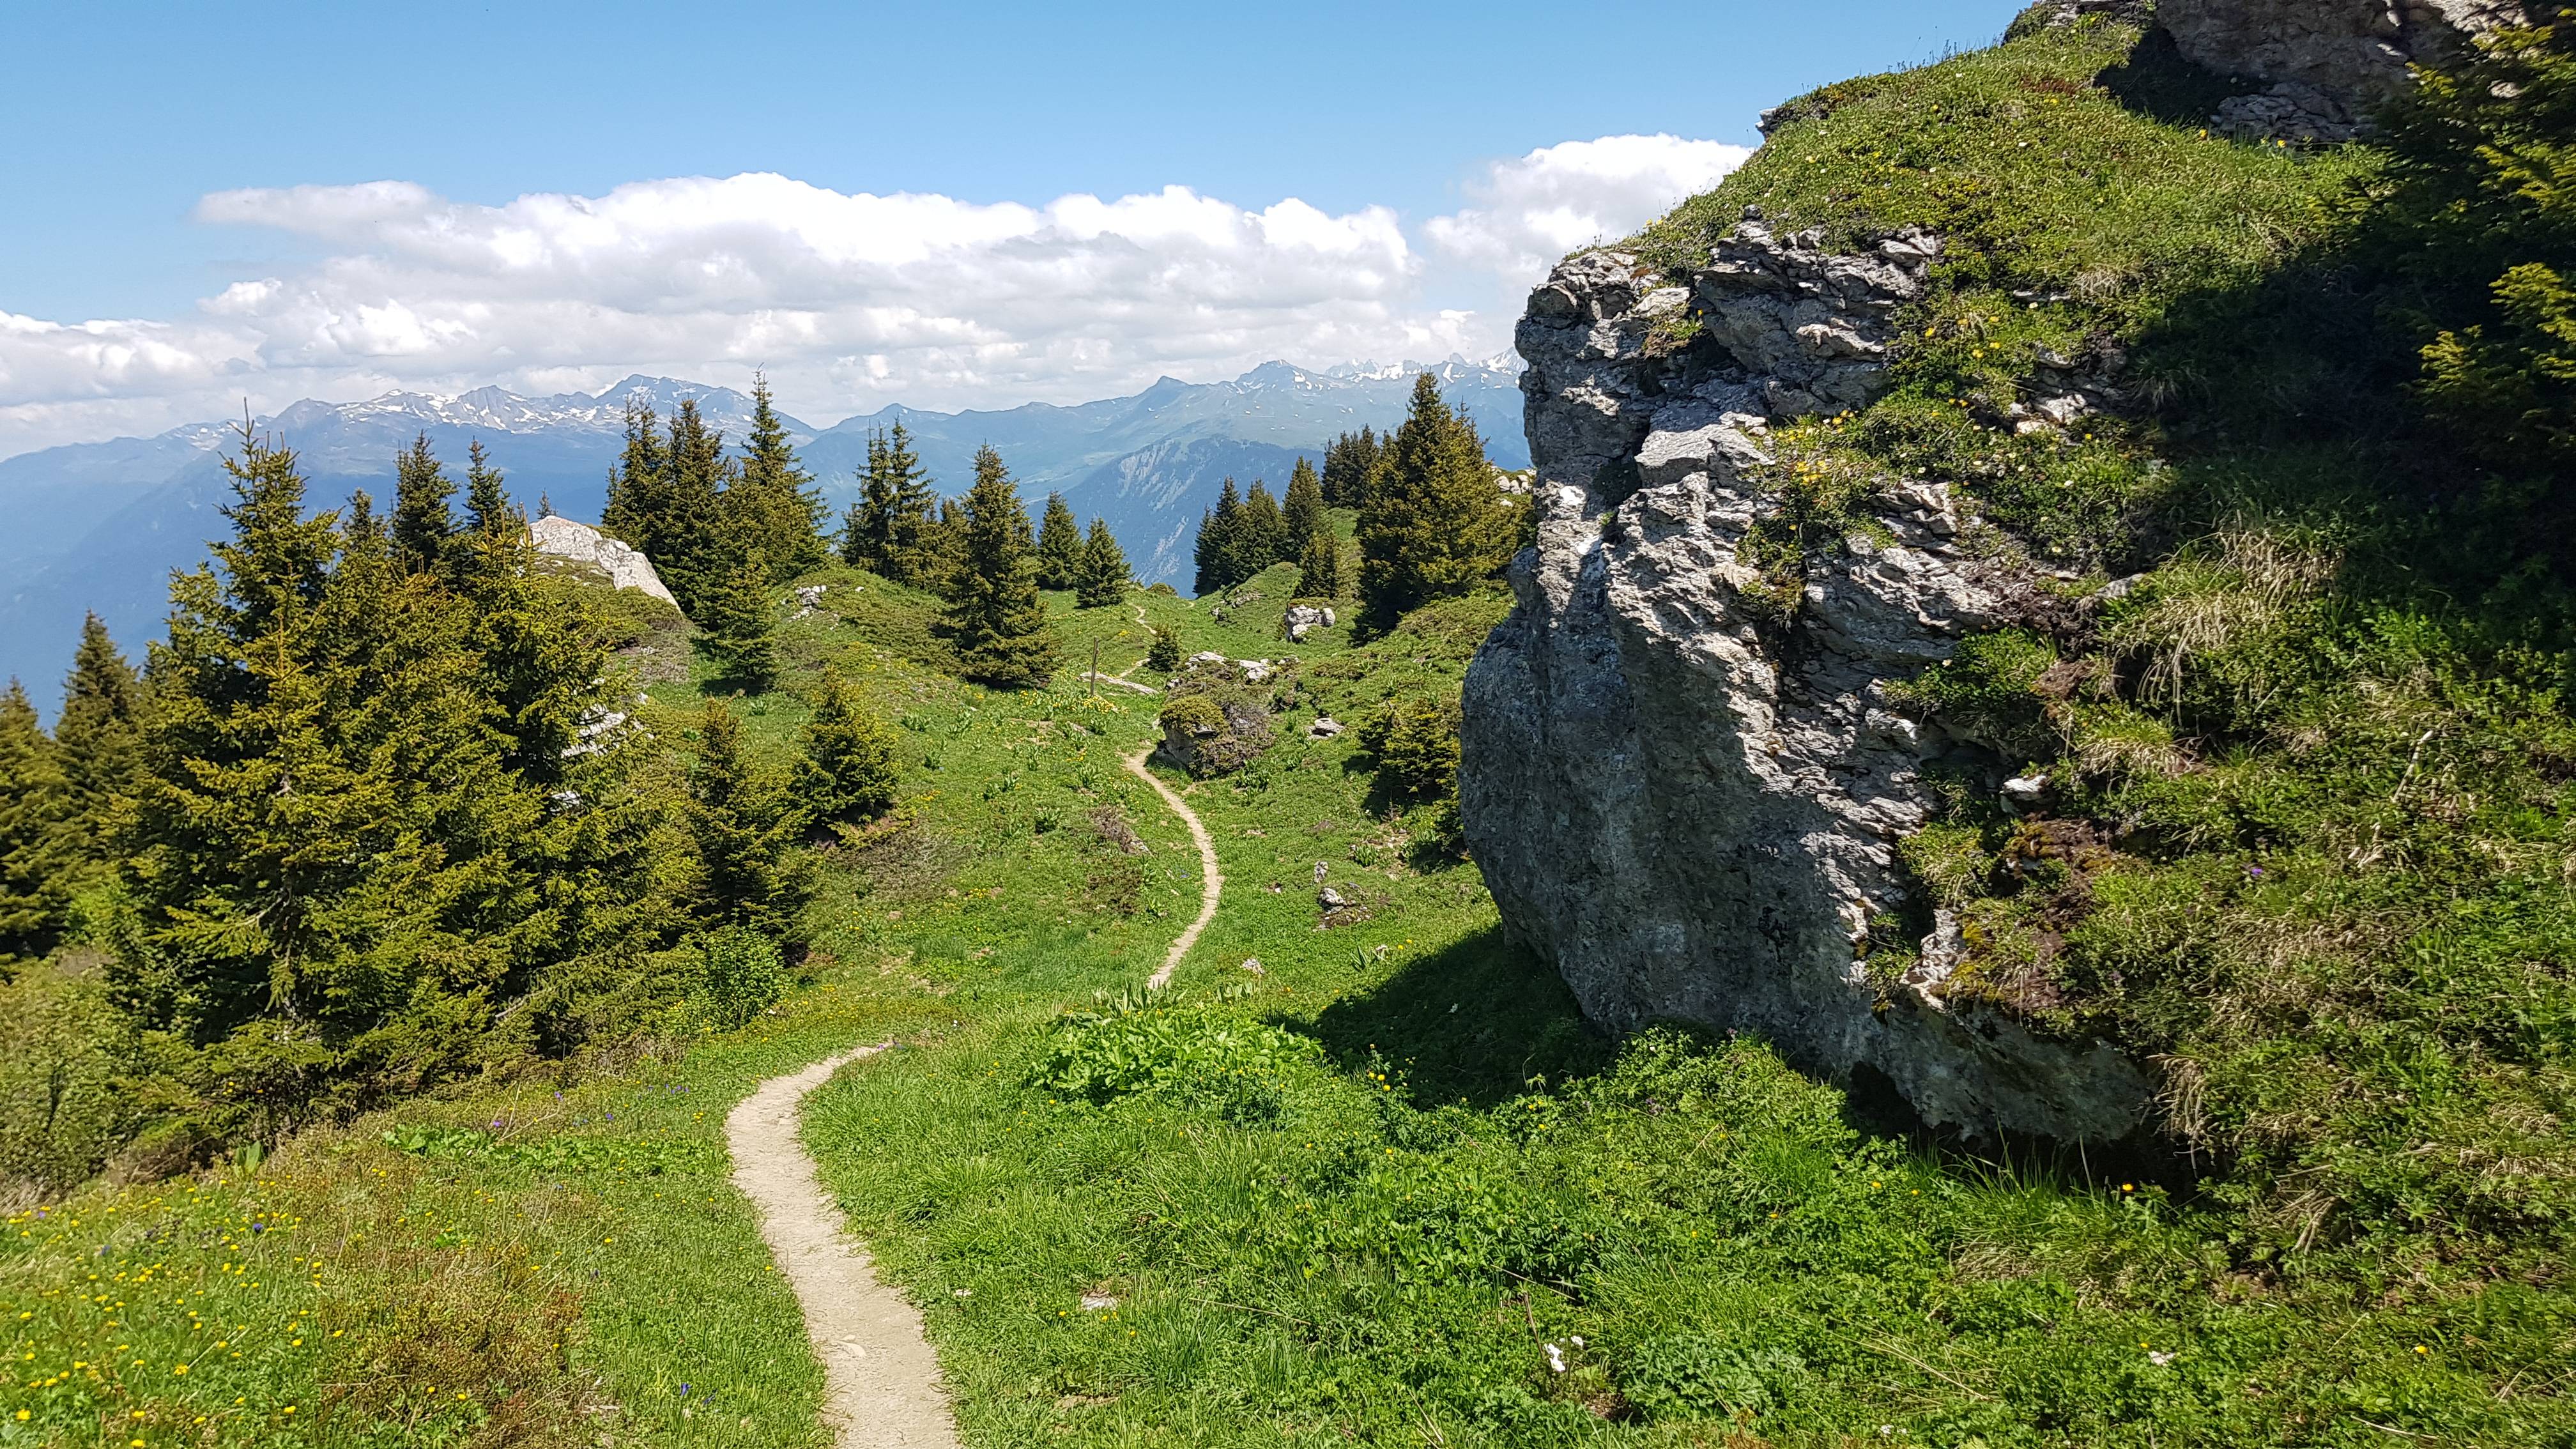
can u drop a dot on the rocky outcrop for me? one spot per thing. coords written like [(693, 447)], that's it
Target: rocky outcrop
[(1694, 818), (579, 543), (2331, 62)]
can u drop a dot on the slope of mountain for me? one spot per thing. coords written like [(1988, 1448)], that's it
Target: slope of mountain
[(101, 525)]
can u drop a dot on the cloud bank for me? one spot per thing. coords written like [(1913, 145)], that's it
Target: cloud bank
[(847, 300)]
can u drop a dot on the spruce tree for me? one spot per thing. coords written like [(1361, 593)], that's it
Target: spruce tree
[(1059, 546), (1104, 576), (867, 528), (691, 530), (1218, 550), (1349, 463), (772, 501), (637, 488), (889, 529), (749, 872), (335, 870), (1302, 510), (735, 620), (421, 522), (1261, 538), (1163, 655), (1434, 521), (37, 852), (847, 771), (1319, 568), (937, 552), (99, 736), (999, 622), (538, 667)]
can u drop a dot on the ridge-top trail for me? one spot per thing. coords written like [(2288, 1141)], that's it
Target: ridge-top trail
[(882, 1388)]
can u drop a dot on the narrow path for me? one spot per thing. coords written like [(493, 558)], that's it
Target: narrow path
[(881, 1384), (1211, 879), (1121, 683), (881, 1387)]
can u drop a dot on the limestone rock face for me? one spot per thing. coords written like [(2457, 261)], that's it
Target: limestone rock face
[(626, 566), (1694, 820), (2331, 61)]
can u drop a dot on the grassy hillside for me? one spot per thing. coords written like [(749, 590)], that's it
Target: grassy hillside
[(2303, 852)]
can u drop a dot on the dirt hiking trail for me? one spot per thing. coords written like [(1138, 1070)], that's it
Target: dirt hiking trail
[(1211, 878), (881, 1387)]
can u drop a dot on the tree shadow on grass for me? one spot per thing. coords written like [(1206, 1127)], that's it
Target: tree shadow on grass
[(1470, 1023)]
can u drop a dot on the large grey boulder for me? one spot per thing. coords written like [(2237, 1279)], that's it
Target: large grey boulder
[(625, 565), (1690, 816)]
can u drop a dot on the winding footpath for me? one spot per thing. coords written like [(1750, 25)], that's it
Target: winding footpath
[(1211, 877), (881, 1385)]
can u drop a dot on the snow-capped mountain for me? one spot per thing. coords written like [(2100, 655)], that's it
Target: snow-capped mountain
[(101, 525)]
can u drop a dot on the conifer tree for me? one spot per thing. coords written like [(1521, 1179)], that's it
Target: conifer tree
[(1302, 510), (735, 619), (1319, 568), (1001, 633), (36, 852), (772, 500), (1349, 462), (691, 528), (1163, 655), (336, 873), (889, 529), (99, 736), (847, 772), (1104, 576), (421, 522), (749, 872), (1060, 546), (638, 485), (1218, 549), (1434, 521), (538, 671), (1261, 538)]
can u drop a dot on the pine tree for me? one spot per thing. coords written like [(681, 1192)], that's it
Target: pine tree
[(539, 671), (1104, 575), (1218, 549), (637, 488), (421, 523), (847, 772), (1163, 655), (749, 872), (1001, 633), (36, 851), (1059, 546), (1261, 539), (691, 530), (1349, 462), (336, 872), (889, 528), (1434, 521), (99, 737), (1319, 568), (1302, 510), (735, 618), (772, 501)]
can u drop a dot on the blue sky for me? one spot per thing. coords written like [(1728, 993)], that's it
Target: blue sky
[(125, 121)]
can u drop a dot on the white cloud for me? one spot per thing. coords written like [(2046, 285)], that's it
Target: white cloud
[(1534, 209), (848, 300)]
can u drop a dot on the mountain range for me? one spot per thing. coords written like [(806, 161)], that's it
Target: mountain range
[(100, 526)]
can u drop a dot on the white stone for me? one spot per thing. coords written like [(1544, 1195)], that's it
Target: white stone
[(625, 565)]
